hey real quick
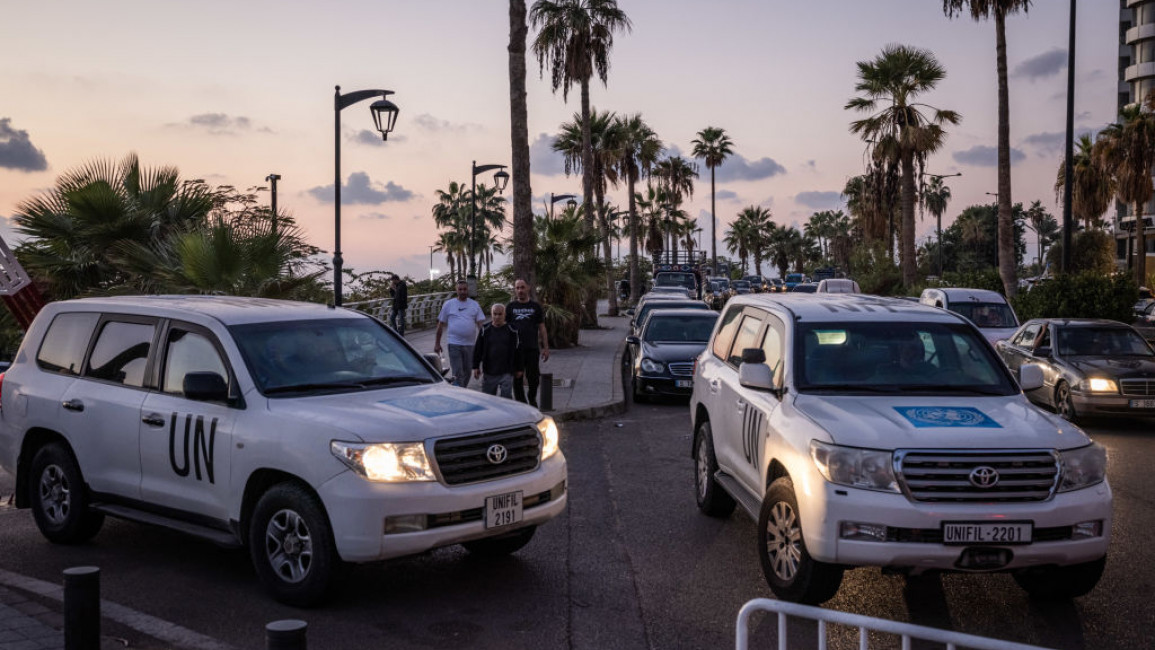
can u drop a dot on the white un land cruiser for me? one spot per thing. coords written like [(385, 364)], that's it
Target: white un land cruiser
[(310, 434), (863, 431)]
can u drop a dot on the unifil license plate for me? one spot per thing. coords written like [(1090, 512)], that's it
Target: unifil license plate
[(502, 509), (986, 533)]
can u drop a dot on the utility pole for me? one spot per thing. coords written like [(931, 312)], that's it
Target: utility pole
[(272, 179)]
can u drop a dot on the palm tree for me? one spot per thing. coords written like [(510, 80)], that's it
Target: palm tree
[(567, 264), (1092, 188), (452, 211), (935, 197), (523, 237), (714, 146), (1126, 151), (447, 243), (899, 129), (738, 239), (1046, 229), (575, 40), (676, 177), (650, 204), (638, 150), (999, 9), (759, 228)]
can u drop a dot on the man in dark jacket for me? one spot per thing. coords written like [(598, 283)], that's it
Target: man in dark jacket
[(497, 353), (400, 304), (528, 318)]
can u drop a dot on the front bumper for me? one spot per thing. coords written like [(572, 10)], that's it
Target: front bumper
[(1107, 404), (358, 509), (914, 540), (656, 385)]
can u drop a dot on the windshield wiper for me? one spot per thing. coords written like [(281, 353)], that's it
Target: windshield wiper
[(291, 388), (952, 390), (860, 388), (385, 381)]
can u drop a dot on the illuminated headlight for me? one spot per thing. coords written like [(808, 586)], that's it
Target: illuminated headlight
[(549, 435), (1100, 385), (385, 462), (868, 469), (1082, 467), (648, 365)]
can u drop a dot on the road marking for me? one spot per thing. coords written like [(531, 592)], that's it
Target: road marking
[(171, 633)]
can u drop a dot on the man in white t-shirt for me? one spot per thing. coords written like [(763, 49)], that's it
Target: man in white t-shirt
[(463, 317)]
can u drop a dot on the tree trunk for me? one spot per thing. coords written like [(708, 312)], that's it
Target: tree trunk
[(524, 242), (713, 226), (608, 254), (906, 237), (1006, 244), (635, 267), (591, 303)]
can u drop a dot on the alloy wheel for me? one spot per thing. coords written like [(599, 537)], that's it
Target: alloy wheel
[(784, 541), (55, 494), (289, 546)]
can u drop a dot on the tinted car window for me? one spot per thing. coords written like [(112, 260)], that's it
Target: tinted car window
[(985, 314), (684, 329), (1101, 341), (121, 353), (651, 305), (189, 352), (772, 345), (745, 338), (1026, 337), (66, 342), (725, 334)]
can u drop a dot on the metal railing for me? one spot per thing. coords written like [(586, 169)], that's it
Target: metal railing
[(422, 311), (865, 625)]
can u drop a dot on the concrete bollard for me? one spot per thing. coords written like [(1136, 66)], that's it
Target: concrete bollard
[(545, 399), (288, 634), (82, 608)]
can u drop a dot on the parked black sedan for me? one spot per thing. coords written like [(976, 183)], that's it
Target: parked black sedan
[(663, 353), (1090, 366)]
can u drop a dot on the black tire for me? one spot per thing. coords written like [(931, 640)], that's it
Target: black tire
[(639, 397), (59, 497), (789, 570), (1056, 583), (291, 545), (1064, 405), (712, 499), (501, 546)]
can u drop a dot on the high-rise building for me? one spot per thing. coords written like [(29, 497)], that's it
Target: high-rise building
[(1136, 79)]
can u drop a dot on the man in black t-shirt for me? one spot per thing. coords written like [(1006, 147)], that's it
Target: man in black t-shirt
[(400, 304), (528, 318)]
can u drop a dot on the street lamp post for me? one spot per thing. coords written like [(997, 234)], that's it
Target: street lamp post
[(554, 198), (272, 179), (1065, 260), (938, 220), (500, 179), (385, 118)]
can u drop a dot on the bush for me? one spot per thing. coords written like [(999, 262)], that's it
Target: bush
[(1092, 251), (1079, 295), (875, 272)]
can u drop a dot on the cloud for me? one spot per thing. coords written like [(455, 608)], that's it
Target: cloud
[(220, 124), (430, 123), (984, 156), (374, 216), (673, 151), (543, 159), (727, 195), (1047, 64), (1052, 142), (737, 168), (365, 136), (360, 190), (17, 151), (819, 200)]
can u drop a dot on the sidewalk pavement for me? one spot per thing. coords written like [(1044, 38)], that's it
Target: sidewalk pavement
[(586, 385)]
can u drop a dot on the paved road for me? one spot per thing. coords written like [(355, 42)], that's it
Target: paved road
[(630, 565)]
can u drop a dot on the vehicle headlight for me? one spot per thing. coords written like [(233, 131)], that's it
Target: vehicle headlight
[(385, 462), (869, 469), (1082, 467), (649, 365), (1101, 385), (549, 436)]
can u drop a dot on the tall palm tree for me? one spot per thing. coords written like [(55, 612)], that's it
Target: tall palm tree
[(452, 211), (575, 40), (935, 197), (524, 241), (1126, 150), (760, 226), (897, 125), (446, 243), (1046, 229), (999, 9), (650, 204), (638, 151), (714, 146), (676, 178), (1092, 188), (738, 239), (567, 263)]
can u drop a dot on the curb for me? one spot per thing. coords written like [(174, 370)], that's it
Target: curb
[(613, 407)]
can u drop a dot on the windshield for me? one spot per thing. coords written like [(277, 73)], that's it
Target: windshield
[(667, 304), (893, 357), (1101, 341), (680, 329), (794, 277), (741, 284), (723, 284), (986, 314), (675, 280), (805, 288), (331, 355)]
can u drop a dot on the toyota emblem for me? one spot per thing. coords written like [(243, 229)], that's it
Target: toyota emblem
[(984, 477), (497, 454)]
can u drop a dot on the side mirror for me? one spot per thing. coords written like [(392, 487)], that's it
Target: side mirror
[(1030, 376), (630, 311), (756, 375), (205, 387), (633, 340), (753, 355), (434, 360), (1043, 351)]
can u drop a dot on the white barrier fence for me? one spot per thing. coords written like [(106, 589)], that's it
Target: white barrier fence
[(865, 625), (422, 311)]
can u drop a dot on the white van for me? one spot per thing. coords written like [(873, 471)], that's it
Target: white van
[(838, 285), (988, 310)]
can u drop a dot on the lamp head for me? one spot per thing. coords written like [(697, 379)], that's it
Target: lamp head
[(384, 116), (501, 179)]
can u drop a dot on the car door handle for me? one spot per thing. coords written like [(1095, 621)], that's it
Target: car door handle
[(714, 383), (153, 420), (73, 405)]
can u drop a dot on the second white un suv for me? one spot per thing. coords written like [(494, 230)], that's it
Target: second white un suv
[(864, 431)]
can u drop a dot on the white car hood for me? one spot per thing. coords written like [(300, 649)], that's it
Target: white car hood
[(927, 422), (407, 414)]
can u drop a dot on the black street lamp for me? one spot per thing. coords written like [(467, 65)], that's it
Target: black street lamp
[(1065, 260), (554, 198), (384, 118), (938, 219), (272, 179), (500, 179)]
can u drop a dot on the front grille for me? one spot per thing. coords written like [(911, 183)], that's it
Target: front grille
[(682, 369), (933, 475), (1138, 387), (463, 459)]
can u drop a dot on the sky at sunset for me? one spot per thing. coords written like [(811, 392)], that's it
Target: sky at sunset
[(231, 92)]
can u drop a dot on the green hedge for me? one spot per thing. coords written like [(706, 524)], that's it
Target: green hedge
[(1079, 295)]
